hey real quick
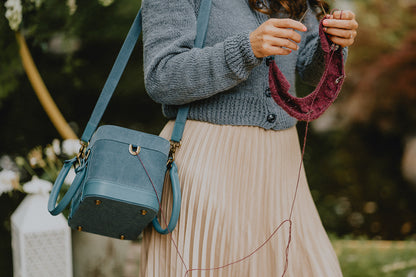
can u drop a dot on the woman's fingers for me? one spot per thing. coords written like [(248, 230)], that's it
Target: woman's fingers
[(283, 33), (341, 20), (276, 50), (342, 33), (276, 37), (283, 42), (270, 45), (343, 42), (341, 24), (347, 15), (342, 27), (287, 23)]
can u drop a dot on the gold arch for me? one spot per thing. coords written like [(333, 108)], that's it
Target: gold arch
[(42, 92)]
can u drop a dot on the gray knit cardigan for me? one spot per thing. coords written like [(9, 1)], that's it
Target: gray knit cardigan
[(224, 82)]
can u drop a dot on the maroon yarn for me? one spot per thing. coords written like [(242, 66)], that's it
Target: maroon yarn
[(316, 103)]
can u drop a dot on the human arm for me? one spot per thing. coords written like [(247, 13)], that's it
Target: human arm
[(176, 72)]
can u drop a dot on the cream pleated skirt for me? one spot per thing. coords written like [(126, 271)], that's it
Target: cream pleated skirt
[(238, 184)]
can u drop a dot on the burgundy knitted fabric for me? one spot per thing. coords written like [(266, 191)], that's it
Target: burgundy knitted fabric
[(315, 104)]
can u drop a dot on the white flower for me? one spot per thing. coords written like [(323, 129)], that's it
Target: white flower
[(50, 154), (56, 146), (37, 186), (35, 157), (14, 13), (5, 187), (33, 161), (72, 6), (7, 163), (106, 3), (20, 161), (8, 181), (70, 147)]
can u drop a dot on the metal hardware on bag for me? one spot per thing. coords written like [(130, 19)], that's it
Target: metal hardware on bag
[(88, 154), (122, 237), (81, 154), (79, 228), (174, 145), (131, 150), (143, 212), (98, 202)]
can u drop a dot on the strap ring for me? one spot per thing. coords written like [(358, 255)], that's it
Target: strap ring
[(134, 152)]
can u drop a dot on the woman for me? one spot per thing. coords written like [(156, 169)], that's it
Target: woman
[(239, 158)]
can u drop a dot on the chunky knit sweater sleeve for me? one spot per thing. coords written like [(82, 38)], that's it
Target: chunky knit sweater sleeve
[(176, 73)]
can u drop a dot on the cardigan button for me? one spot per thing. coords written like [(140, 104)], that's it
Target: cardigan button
[(260, 4), (271, 118), (269, 60), (267, 92)]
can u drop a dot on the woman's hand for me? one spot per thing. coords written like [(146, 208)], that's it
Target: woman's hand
[(342, 27), (276, 37)]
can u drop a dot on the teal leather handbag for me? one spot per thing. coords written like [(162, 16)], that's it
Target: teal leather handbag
[(120, 172)]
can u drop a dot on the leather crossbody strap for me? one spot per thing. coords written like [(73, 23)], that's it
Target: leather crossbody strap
[(121, 62), (201, 31)]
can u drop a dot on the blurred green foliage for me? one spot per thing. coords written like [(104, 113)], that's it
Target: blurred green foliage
[(10, 65)]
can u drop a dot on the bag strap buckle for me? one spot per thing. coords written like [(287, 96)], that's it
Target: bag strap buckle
[(174, 145), (81, 154)]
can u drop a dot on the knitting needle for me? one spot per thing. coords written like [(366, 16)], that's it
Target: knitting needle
[(303, 16)]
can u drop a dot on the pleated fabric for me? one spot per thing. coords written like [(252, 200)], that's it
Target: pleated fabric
[(238, 184)]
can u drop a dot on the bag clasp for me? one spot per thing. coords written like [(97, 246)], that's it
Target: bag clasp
[(174, 145), (81, 154)]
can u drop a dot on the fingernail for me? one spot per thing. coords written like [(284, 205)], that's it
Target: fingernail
[(325, 22), (304, 28)]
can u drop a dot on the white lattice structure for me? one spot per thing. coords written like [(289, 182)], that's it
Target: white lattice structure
[(41, 242)]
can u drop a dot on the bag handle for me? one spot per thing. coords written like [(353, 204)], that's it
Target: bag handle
[(121, 62), (66, 199), (176, 203)]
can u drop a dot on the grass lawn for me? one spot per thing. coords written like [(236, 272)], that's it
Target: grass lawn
[(366, 258)]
